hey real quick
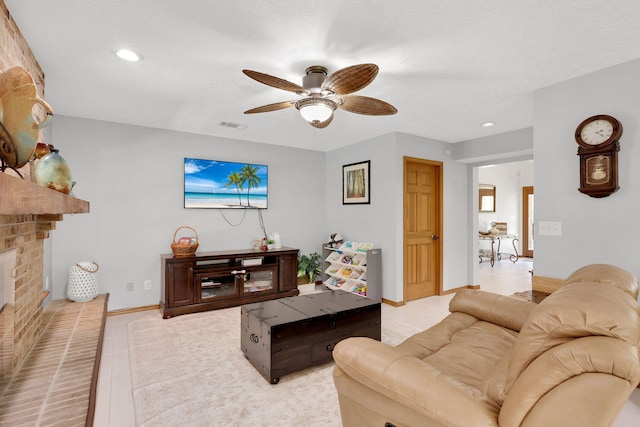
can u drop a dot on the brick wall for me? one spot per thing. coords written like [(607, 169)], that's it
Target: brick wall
[(14, 49), (25, 233)]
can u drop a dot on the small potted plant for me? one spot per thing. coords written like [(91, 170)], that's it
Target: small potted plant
[(309, 268)]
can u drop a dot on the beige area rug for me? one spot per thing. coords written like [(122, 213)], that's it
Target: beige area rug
[(190, 371)]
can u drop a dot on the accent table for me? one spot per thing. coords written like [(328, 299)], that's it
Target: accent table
[(495, 253)]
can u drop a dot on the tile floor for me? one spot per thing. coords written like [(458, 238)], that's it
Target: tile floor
[(114, 405)]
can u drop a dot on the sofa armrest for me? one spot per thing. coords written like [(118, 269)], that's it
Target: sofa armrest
[(595, 375), (414, 383)]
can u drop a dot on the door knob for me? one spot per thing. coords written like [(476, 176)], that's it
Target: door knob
[(434, 237)]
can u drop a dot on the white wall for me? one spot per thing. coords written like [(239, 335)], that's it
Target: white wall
[(381, 221), (375, 222), (133, 178), (593, 230), (499, 148)]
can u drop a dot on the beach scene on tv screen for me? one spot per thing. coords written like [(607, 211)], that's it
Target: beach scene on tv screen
[(220, 185)]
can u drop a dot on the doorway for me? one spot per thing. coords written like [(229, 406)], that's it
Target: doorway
[(422, 228), (527, 221), (511, 181)]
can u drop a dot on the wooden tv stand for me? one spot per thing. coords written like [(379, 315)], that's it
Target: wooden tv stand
[(221, 279)]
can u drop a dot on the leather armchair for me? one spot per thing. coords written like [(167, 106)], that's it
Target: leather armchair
[(571, 360)]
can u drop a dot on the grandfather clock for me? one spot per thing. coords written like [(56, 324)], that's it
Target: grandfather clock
[(598, 147)]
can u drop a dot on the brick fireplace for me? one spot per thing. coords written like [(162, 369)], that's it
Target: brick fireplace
[(27, 213)]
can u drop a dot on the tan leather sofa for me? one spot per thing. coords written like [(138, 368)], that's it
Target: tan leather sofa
[(571, 360)]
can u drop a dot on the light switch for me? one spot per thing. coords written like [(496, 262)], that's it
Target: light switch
[(549, 228)]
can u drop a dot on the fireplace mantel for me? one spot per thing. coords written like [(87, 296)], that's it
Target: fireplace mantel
[(22, 197)]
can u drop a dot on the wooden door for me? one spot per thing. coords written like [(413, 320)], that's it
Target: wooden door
[(422, 228), (527, 222)]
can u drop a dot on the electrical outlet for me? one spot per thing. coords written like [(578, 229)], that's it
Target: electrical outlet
[(147, 285), (130, 287), (46, 283)]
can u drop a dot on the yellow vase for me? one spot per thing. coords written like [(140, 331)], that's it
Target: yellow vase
[(18, 95)]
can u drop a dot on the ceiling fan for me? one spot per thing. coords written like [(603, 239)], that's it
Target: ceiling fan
[(323, 93)]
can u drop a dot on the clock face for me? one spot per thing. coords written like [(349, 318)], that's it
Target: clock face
[(596, 132)]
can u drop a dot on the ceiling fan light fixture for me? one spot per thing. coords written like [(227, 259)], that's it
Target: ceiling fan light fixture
[(325, 93), (316, 110)]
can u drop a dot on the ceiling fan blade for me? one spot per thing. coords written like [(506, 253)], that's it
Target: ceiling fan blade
[(365, 105), (350, 79), (322, 125), (276, 82), (271, 107)]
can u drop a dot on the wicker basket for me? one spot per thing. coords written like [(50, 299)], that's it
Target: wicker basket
[(181, 249)]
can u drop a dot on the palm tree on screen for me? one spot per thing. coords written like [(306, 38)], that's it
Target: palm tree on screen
[(237, 180), (250, 177)]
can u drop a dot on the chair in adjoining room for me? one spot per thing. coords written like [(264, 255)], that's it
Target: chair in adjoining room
[(571, 360)]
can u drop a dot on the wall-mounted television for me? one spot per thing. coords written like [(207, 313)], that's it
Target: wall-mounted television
[(218, 184)]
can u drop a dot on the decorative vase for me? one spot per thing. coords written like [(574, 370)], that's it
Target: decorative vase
[(18, 95), (83, 282), (277, 240), (52, 171)]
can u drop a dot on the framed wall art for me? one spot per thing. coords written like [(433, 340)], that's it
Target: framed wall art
[(487, 198), (356, 186)]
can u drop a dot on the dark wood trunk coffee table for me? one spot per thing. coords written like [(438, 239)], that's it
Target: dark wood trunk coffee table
[(286, 335)]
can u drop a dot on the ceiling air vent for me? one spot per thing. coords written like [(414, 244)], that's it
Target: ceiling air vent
[(232, 125)]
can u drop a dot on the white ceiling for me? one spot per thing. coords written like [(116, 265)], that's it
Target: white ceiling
[(447, 66)]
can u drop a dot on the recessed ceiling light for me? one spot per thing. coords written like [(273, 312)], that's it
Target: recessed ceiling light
[(488, 124), (128, 55)]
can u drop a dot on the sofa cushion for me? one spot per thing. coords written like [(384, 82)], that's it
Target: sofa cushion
[(469, 343), (387, 375), (494, 385), (430, 341), (473, 352)]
